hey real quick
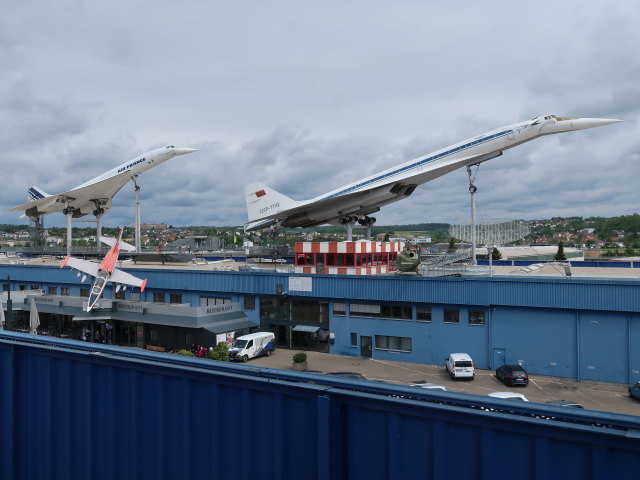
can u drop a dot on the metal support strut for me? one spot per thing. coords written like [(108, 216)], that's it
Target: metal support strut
[(137, 226), (69, 213), (472, 190), (98, 212), (349, 226)]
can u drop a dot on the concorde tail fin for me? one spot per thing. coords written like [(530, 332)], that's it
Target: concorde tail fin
[(35, 193)]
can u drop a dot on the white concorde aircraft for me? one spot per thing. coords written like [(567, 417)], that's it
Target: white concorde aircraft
[(354, 202), (95, 196)]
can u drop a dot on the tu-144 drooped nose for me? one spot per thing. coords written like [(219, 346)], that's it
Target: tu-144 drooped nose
[(552, 124)]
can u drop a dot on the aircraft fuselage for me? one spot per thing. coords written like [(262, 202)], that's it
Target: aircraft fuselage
[(97, 288), (267, 207)]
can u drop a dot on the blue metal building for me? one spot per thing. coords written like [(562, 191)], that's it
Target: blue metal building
[(585, 329), (73, 410)]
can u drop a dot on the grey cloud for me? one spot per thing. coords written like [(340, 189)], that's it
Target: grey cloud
[(309, 98)]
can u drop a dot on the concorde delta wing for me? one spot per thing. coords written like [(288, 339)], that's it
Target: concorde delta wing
[(52, 203), (81, 199), (102, 189)]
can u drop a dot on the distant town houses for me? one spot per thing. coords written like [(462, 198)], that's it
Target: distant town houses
[(564, 236), (590, 233), (158, 227)]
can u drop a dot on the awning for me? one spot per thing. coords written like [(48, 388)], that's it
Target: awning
[(229, 325), (305, 328), (79, 319)]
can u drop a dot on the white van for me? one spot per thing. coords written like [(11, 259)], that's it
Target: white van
[(459, 365), (252, 345)]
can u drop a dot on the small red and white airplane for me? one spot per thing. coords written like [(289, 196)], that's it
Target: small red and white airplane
[(105, 271)]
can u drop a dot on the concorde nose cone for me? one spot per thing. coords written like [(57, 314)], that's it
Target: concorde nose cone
[(184, 151)]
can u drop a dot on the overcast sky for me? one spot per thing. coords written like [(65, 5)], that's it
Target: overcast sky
[(307, 97)]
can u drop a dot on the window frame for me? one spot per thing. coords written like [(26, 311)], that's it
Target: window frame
[(481, 313), (451, 311), (424, 307)]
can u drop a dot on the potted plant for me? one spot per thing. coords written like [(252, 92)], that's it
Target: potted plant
[(300, 361)]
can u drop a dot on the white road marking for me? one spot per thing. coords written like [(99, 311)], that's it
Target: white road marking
[(534, 382)]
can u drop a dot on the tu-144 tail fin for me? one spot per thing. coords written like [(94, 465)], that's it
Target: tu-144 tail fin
[(263, 201)]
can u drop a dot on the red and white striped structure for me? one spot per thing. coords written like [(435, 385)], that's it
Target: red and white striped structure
[(346, 258)]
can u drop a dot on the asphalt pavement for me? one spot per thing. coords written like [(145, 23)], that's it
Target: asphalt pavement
[(610, 397)]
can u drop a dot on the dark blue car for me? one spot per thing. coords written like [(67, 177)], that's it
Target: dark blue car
[(634, 391), (512, 375)]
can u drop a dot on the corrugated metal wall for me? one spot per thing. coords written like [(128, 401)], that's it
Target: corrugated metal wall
[(553, 325), (76, 411), (582, 294)]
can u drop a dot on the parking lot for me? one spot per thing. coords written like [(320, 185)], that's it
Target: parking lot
[(592, 395)]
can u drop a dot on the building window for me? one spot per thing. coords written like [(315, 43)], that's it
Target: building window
[(354, 339), (84, 292), (274, 308), (52, 290), (135, 296), (22, 287), (339, 308), (476, 317), (5, 287), (304, 259), (119, 295), (209, 301), (423, 314), (64, 290), (34, 287), (402, 344), (307, 311), (158, 297), (398, 312), (249, 302), (451, 316), (364, 310), (175, 298)]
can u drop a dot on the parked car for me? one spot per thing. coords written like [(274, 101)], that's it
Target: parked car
[(634, 391), (430, 386), (509, 396), (512, 375), (459, 365), (356, 375), (565, 403)]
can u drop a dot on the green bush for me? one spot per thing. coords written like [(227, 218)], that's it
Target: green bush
[(300, 357), (186, 353), (221, 352)]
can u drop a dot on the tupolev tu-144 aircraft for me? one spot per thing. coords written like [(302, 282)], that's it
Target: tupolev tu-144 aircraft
[(95, 196), (105, 271), (356, 201)]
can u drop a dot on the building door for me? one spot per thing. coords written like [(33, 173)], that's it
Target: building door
[(365, 347), (498, 358)]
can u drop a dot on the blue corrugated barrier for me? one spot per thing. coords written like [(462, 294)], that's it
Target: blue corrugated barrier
[(75, 410)]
